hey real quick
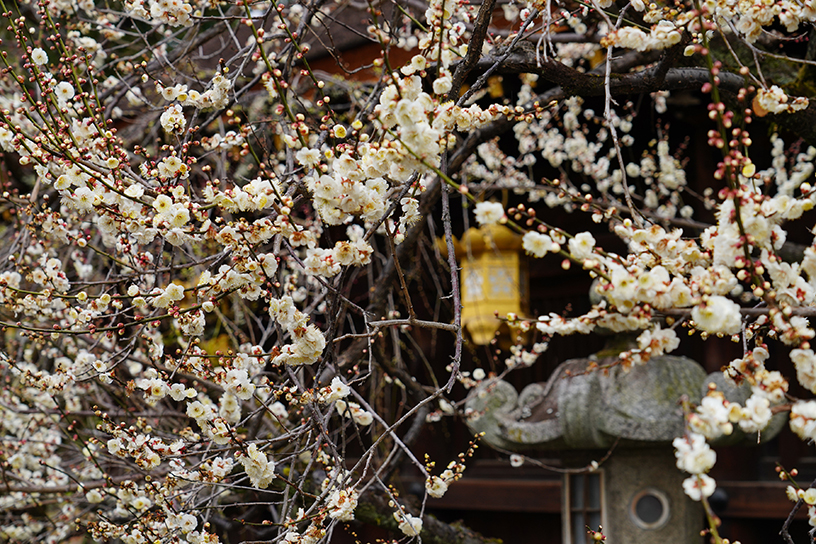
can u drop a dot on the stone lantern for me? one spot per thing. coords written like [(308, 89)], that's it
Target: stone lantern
[(494, 279), (636, 494)]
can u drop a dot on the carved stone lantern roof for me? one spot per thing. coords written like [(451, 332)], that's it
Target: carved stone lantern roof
[(583, 407)]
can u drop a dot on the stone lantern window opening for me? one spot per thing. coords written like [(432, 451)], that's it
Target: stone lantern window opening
[(584, 494), (650, 509)]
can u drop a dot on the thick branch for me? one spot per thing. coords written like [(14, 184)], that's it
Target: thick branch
[(572, 82), (474, 47)]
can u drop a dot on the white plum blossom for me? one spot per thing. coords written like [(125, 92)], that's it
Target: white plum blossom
[(308, 157), (164, 298), (155, 390), (337, 391), (64, 92), (713, 417), (489, 213), (172, 120), (661, 36), (93, 496), (774, 100), (658, 341), (803, 419), (538, 244), (354, 411), (307, 341), (259, 468), (805, 362), (342, 503), (408, 524), (442, 85), (693, 454), (155, 214), (173, 13), (699, 486), (717, 314), (581, 245), (39, 56), (436, 486), (236, 382), (771, 385), (756, 414), (179, 392)]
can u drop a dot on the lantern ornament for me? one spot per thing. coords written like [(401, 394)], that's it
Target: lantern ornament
[(494, 280)]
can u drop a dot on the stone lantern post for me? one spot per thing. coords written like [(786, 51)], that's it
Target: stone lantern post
[(637, 494)]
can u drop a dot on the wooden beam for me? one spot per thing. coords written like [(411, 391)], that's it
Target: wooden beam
[(757, 499), (503, 495), (764, 500)]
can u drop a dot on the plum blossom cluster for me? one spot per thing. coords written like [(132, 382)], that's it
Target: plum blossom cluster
[(162, 12), (521, 357), (803, 419), (715, 415), (661, 36), (774, 100), (258, 467), (808, 496), (343, 497), (696, 457), (216, 95), (355, 412), (748, 18), (355, 182), (307, 340), (652, 342)]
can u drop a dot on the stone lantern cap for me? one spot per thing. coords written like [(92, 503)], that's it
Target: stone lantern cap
[(583, 408)]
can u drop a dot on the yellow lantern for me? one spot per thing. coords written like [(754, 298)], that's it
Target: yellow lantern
[(494, 280)]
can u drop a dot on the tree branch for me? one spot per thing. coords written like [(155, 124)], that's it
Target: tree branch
[(474, 47)]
